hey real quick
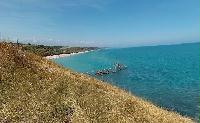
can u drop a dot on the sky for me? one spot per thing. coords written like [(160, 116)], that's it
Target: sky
[(103, 23)]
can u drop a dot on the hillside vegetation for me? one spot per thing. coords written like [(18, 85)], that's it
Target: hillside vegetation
[(33, 89), (43, 50)]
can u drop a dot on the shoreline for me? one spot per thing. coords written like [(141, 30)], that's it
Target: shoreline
[(66, 55)]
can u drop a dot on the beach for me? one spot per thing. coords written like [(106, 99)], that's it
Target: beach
[(66, 55)]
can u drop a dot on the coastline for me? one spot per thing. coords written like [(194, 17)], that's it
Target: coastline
[(66, 55), (96, 98)]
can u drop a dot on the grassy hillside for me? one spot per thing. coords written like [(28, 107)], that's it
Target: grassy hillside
[(33, 89)]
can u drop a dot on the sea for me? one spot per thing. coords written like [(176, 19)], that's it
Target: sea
[(166, 75)]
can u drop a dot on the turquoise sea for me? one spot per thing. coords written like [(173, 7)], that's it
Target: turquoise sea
[(166, 75)]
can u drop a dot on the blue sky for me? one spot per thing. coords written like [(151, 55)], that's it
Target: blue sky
[(112, 23)]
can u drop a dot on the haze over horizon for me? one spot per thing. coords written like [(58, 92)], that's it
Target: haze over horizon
[(109, 23)]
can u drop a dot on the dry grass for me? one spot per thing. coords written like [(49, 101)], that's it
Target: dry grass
[(33, 89)]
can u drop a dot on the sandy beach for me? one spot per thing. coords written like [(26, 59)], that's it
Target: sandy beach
[(65, 55)]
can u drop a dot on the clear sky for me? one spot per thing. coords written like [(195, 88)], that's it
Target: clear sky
[(112, 23)]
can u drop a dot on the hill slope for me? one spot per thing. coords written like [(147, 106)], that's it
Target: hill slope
[(33, 89)]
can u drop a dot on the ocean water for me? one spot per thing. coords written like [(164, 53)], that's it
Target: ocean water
[(167, 75)]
